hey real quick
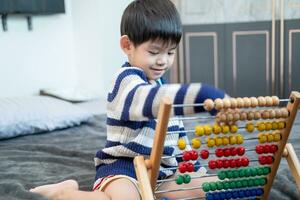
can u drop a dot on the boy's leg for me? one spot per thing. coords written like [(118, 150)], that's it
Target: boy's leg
[(188, 193), (68, 190)]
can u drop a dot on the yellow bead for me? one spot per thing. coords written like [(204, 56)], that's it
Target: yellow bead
[(262, 138), (225, 129), (207, 129), (239, 139), (268, 126), (199, 130), (260, 126), (270, 137), (281, 125), (181, 144), (196, 143), (217, 129), (218, 141), (277, 136), (225, 141), (233, 128), (274, 125), (250, 127), (232, 140), (210, 142)]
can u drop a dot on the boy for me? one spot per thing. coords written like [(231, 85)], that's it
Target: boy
[(150, 33)]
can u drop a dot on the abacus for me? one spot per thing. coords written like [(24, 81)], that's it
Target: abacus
[(239, 177)]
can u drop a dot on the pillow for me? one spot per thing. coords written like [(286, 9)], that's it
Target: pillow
[(22, 116)]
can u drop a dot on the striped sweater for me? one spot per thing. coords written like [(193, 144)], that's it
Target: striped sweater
[(132, 106)]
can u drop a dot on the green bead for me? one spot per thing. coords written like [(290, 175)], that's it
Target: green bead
[(220, 185), (245, 183), (229, 174), (266, 170), (253, 172), (239, 184), (263, 181), (260, 171), (250, 182), (221, 175), (247, 172), (186, 178), (256, 182), (242, 173), (213, 186), (206, 187), (179, 179), (236, 174), (232, 185), (226, 185)]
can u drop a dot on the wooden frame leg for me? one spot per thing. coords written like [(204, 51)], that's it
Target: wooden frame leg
[(293, 162)]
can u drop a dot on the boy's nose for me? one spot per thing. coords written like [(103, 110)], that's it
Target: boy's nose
[(161, 61)]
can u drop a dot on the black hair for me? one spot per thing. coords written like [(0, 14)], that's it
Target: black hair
[(145, 20)]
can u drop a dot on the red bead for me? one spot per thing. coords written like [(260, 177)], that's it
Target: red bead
[(219, 164), (245, 161), (267, 148), (232, 163), (226, 163), (212, 164), (227, 152), (190, 167), (186, 156), (241, 151), (219, 152), (233, 151), (194, 155), (182, 167), (238, 162), (204, 154), (259, 149), (262, 160), (269, 159), (273, 148)]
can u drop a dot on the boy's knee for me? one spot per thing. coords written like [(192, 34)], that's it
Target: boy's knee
[(122, 189)]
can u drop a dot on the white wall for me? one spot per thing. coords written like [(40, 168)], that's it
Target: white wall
[(78, 48)]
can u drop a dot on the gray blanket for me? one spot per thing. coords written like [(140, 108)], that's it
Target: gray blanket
[(35, 160)]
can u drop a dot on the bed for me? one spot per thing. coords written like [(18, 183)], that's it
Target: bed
[(53, 156)]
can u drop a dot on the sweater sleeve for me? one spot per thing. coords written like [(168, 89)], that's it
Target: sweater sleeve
[(133, 98)]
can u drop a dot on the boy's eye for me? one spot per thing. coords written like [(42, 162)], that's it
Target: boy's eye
[(171, 52), (153, 52)]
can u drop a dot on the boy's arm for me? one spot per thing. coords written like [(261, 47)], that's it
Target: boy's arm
[(136, 100)]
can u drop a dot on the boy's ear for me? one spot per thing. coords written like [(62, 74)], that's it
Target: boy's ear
[(125, 44)]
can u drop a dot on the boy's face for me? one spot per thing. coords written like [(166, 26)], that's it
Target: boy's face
[(154, 57)]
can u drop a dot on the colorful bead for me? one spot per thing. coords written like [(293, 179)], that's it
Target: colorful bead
[(186, 156), (250, 127), (204, 154), (217, 129), (239, 139), (181, 144), (182, 167), (232, 140), (225, 129), (199, 130), (281, 125), (241, 151), (262, 138), (219, 152), (206, 187), (270, 137), (277, 136), (193, 155), (196, 143), (225, 141), (186, 178), (209, 104), (179, 180), (260, 126), (207, 129), (233, 128), (274, 125), (218, 141), (268, 126), (210, 142)]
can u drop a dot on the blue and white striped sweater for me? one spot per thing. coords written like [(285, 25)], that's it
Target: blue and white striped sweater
[(132, 106)]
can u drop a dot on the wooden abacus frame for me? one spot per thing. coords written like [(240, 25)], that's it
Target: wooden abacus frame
[(147, 170)]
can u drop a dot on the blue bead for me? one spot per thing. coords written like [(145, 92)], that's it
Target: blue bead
[(259, 191), (209, 196), (235, 194), (228, 194), (247, 193), (222, 195), (253, 192), (241, 194), (216, 196), (165, 198)]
